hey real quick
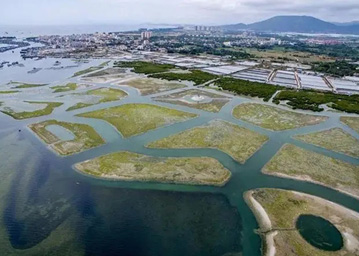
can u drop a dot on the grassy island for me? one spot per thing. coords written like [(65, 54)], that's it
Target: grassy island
[(134, 119), (148, 86), (85, 137), (236, 141), (9, 92), (129, 166), (65, 88), (103, 94), (273, 118), (352, 122), (91, 69), (212, 102), (334, 139), (50, 106), (19, 85), (297, 163), (277, 212)]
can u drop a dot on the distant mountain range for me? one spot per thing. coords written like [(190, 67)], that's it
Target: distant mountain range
[(297, 24)]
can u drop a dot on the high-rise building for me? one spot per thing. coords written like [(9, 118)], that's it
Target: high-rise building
[(145, 35)]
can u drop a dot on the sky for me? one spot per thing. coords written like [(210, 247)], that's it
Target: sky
[(203, 12)]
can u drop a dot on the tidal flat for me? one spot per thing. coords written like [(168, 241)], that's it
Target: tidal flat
[(85, 137), (352, 122), (278, 212), (203, 100), (128, 166), (274, 118), (334, 139), (298, 163), (238, 142), (47, 110), (134, 119), (148, 86)]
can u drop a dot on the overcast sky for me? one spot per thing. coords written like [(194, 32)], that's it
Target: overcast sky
[(57, 12)]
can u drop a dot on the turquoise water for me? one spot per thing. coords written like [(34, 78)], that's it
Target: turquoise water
[(41, 194), (319, 232)]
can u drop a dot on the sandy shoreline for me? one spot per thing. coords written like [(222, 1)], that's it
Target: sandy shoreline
[(265, 225)]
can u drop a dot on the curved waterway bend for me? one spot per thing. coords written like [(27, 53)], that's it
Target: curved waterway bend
[(244, 176)]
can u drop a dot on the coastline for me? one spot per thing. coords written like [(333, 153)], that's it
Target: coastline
[(113, 178), (264, 222)]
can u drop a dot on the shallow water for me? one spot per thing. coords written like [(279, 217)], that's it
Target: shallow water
[(60, 132), (41, 195)]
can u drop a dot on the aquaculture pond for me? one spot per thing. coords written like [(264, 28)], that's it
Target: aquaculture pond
[(319, 232), (46, 207)]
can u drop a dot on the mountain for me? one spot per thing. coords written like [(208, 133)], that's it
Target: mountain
[(346, 23), (298, 24)]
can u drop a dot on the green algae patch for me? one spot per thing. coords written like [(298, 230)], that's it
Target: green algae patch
[(297, 163), (273, 118), (283, 209), (352, 122), (148, 86), (85, 137), (134, 119), (50, 106), (104, 95), (198, 99), (128, 166), (238, 142), (334, 139)]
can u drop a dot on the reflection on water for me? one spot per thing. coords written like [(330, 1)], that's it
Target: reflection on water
[(41, 197)]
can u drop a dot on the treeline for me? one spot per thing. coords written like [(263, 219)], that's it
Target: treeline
[(248, 88), (311, 100), (143, 67), (196, 76), (338, 68)]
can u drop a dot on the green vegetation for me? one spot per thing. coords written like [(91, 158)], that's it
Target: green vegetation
[(236, 141), (50, 106), (311, 100), (85, 137), (134, 119), (338, 68), (149, 86), (283, 209), (298, 163), (91, 69), (143, 67), (65, 88), (8, 92), (273, 118), (334, 139), (352, 122), (247, 88), (105, 95), (25, 85), (129, 166), (215, 103), (196, 76)]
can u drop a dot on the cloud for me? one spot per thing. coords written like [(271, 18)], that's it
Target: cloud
[(169, 11)]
